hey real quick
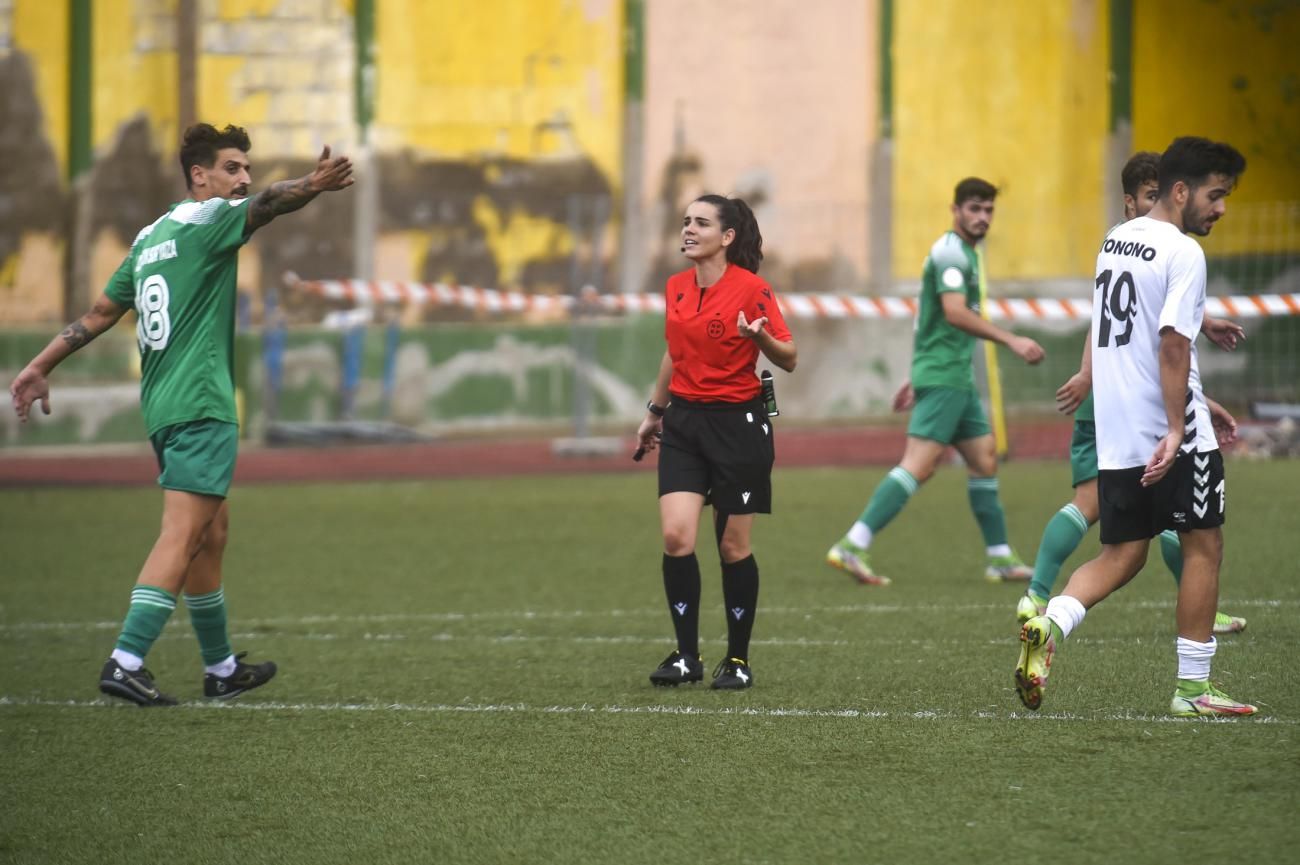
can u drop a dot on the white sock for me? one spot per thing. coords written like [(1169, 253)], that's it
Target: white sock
[(1194, 659), (222, 670), (998, 550), (1066, 613), (860, 534), (126, 660)]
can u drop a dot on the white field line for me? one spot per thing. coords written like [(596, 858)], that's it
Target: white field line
[(593, 709), (645, 612), (1009, 638)]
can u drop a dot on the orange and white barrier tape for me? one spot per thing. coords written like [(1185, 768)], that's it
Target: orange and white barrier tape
[(362, 292)]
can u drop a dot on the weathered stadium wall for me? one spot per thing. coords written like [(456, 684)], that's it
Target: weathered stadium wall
[(1230, 71), (1018, 97), (493, 118), (498, 131), (776, 105)]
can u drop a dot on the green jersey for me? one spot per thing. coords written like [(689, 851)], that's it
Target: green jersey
[(941, 353), (180, 278)]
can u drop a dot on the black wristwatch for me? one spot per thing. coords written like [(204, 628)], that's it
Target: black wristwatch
[(655, 410)]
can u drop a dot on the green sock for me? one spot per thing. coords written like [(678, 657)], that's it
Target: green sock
[(984, 504), (1192, 687), (889, 498), (150, 609), (1171, 550), (208, 615), (1061, 537)]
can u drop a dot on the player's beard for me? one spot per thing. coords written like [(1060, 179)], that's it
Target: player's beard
[(1194, 220)]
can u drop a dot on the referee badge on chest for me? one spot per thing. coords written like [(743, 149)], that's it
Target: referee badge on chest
[(716, 328)]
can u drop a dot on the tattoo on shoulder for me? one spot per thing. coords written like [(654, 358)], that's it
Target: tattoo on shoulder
[(76, 335)]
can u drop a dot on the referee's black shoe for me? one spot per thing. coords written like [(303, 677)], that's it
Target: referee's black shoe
[(732, 674), (678, 669), (245, 678), (137, 686)]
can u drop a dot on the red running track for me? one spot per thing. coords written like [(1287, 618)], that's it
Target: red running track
[(840, 446)]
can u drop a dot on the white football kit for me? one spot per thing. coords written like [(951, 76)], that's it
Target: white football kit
[(1149, 276)]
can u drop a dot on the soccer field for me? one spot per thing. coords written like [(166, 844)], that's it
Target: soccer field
[(463, 679)]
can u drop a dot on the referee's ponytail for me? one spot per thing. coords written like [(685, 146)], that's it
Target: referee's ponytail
[(747, 249)]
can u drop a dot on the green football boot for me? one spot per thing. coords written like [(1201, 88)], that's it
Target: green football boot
[(1037, 646)]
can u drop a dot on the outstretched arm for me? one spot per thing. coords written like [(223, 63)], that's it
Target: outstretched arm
[(31, 384), (286, 196), (961, 317)]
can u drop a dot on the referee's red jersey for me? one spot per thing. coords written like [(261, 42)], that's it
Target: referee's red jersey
[(712, 362)]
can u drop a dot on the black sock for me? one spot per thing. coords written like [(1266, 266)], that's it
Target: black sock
[(682, 586), (740, 593)]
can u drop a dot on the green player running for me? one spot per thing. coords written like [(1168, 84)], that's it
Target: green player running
[(946, 408), (179, 276), (1067, 528)]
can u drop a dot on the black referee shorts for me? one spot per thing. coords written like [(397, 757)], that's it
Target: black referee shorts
[(723, 451), (1191, 496)]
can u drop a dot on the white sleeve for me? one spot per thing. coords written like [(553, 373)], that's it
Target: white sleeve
[(1184, 305)]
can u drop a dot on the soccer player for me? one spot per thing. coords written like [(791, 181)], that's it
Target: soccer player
[(946, 408), (179, 276), (1066, 529), (717, 438), (1147, 389)]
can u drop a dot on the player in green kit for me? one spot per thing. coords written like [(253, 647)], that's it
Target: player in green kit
[(1067, 528), (179, 276), (946, 408)]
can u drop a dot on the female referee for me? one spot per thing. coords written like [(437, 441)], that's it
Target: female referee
[(717, 444)]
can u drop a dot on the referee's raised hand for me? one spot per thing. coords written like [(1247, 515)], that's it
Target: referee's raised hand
[(748, 329)]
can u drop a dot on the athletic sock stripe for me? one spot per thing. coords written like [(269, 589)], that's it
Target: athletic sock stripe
[(1075, 516), (904, 477), (149, 602), (1169, 534), (215, 599), (156, 596)]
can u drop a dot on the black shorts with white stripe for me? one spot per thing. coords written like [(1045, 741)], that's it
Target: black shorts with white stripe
[(1190, 497), (723, 451)]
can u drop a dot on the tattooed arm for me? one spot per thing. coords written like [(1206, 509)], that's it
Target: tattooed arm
[(331, 174), (31, 384)]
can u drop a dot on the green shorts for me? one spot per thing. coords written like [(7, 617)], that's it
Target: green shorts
[(197, 456), (948, 415), (1083, 453)]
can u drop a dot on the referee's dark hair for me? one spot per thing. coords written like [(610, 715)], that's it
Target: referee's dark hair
[(1192, 160), (747, 249), (201, 142), (973, 187)]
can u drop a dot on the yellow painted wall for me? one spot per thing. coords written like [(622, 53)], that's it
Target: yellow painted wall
[(39, 28), (467, 77), (1228, 70), (134, 71), (1014, 92)]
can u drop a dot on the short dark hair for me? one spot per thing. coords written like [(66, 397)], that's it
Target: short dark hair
[(973, 187), (1192, 160), (1142, 167), (201, 142)]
